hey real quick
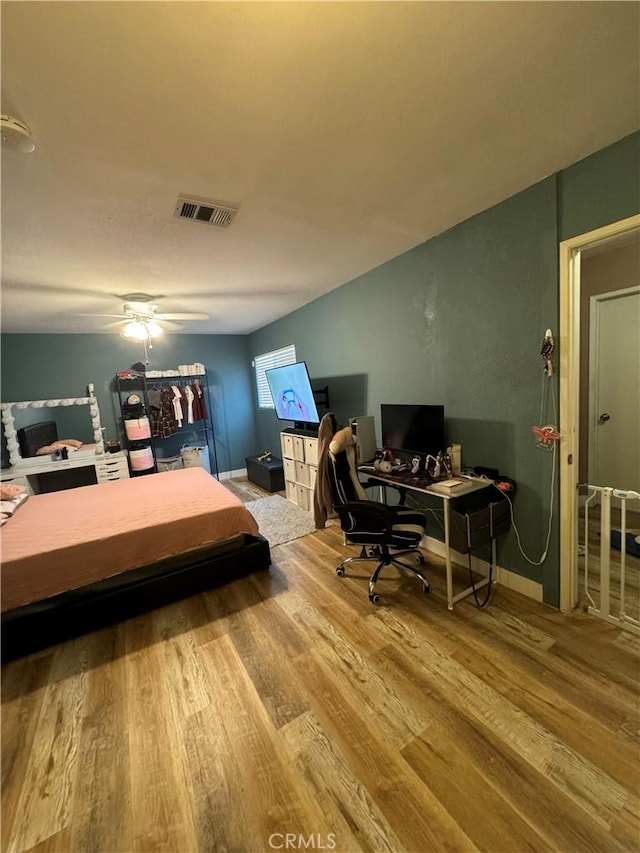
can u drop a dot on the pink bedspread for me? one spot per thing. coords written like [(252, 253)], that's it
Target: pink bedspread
[(65, 540)]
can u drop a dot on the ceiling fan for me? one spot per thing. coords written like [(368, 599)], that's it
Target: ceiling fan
[(142, 318)]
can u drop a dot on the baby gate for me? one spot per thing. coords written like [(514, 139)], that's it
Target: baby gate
[(606, 607)]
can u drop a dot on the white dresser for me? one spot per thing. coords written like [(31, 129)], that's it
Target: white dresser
[(108, 467), (112, 466), (300, 464)]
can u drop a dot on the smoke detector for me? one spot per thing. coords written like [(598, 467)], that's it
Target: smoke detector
[(16, 135), (201, 210)]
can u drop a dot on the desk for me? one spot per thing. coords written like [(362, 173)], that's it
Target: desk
[(465, 488)]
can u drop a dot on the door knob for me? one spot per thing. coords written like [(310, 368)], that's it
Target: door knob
[(604, 417)]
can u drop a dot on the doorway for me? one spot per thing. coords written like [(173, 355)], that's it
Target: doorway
[(614, 388), (574, 386)]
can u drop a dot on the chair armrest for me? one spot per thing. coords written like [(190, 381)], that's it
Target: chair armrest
[(376, 484)]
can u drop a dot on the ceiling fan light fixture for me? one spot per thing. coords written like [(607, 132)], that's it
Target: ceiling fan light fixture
[(141, 330), (153, 329), (16, 135)]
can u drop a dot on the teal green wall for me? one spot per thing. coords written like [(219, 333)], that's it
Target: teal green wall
[(459, 320), (600, 189), (37, 366)]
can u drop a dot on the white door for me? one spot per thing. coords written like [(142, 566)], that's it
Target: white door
[(615, 405)]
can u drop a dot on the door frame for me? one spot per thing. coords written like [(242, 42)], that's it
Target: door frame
[(569, 370)]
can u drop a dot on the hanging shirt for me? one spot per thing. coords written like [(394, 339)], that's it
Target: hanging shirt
[(177, 405), (188, 393), (199, 405)]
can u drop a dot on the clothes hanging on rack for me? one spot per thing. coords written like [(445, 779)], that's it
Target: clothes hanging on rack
[(199, 405), (174, 404), (161, 416), (188, 395)]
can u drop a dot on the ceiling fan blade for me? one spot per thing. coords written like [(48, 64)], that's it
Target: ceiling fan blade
[(115, 316), (187, 315)]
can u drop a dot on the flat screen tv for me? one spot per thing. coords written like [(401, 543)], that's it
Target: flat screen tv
[(292, 394), (413, 429)]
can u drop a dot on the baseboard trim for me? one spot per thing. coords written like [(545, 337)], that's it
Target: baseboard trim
[(503, 577), (228, 475)]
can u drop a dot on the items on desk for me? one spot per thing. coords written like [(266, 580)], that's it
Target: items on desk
[(383, 461), (454, 452), (448, 485), (505, 484), (437, 466)]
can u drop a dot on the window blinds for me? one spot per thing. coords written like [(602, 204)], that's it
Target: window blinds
[(264, 362)]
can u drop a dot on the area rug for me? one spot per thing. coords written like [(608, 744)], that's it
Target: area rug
[(280, 520)]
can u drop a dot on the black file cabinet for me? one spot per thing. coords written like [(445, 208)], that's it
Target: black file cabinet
[(476, 519)]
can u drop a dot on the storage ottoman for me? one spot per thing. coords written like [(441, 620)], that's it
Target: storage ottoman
[(269, 475)]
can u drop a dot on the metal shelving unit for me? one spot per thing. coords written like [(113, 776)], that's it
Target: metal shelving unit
[(200, 432)]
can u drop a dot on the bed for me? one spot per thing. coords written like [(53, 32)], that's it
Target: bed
[(80, 559)]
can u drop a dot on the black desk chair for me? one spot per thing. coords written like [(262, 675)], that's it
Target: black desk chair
[(384, 533)]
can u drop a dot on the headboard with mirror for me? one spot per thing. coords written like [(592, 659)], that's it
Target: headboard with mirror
[(31, 435)]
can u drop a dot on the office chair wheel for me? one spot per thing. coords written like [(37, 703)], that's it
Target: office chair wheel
[(340, 571), (419, 559), (375, 551), (426, 588), (375, 598)]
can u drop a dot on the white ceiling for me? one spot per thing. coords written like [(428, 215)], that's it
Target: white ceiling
[(346, 133)]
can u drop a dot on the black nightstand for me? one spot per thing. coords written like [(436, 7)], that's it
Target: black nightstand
[(268, 475)]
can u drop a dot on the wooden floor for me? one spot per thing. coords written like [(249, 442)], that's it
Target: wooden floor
[(286, 712)]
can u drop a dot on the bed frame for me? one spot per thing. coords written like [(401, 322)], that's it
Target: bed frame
[(53, 620), (62, 617)]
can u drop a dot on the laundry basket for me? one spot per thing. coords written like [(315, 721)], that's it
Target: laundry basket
[(195, 457), (169, 463)]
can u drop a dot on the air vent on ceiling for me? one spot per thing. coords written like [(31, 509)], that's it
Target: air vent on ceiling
[(209, 212)]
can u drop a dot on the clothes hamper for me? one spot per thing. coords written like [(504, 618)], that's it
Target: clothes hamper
[(169, 463), (195, 457)]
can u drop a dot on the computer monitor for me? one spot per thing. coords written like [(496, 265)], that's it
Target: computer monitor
[(408, 429)]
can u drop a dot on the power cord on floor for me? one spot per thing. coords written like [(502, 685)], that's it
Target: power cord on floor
[(541, 560), (489, 585), (504, 494)]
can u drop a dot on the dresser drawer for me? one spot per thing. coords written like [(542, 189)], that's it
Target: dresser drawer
[(286, 442), (302, 497), (112, 468), (302, 473), (311, 451), (107, 468), (108, 478), (289, 470), (313, 473)]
